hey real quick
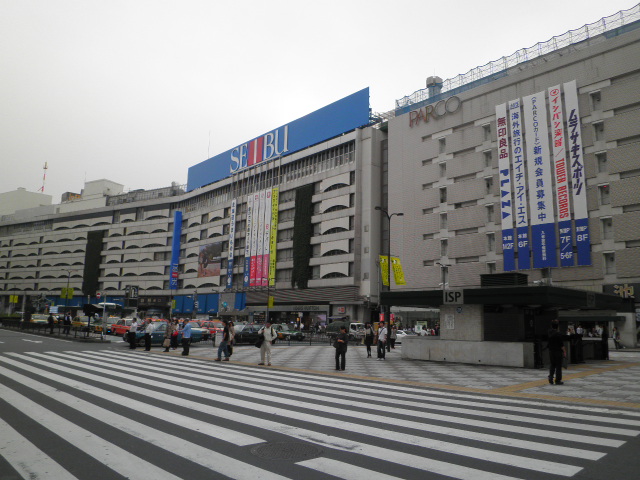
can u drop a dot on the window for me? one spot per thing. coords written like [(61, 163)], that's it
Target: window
[(488, 181), (443, 220), (486, 132), (491, 267), (444, 246), (443, 169), (491, 242), (443, 194), (607, 228), (595, 99), (488, 157), (489, 212), (442, 145), (598, 129), (609, 263), (601, 159), (603, 191), (444, 276)]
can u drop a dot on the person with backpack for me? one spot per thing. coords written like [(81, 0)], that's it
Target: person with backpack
[(269, 335)]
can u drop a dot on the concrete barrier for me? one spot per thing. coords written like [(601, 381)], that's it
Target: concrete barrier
[(434, 349)]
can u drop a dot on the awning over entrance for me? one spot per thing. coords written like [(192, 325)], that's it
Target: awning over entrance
[(539, 296)]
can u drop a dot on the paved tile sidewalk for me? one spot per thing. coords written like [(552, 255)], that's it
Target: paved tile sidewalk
[(610, 383)]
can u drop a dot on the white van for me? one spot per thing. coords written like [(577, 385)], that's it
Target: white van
[(356, 330)]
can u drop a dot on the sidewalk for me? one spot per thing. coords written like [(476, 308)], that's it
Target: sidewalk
[(611, 382)]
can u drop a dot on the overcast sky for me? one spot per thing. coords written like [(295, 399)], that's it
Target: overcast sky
[(137, 91)]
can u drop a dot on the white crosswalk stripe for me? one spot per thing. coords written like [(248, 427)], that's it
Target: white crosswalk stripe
[(209, 417)]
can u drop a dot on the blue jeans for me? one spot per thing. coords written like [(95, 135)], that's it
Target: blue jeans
[(223, 348)]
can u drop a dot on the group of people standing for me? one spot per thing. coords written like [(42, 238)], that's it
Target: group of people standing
[(66, 323)]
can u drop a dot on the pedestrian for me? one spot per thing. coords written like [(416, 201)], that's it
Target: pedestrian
[(174, 335), (147, 335), (232, 335), (604, 342), (133, 332), (616, 338), (393, 336), (222, 348), (186, 337), (50, 321), (168, 335), (341, 343), (269, 336), (382, 340), (66, 323), (369, 335), (557, 353)]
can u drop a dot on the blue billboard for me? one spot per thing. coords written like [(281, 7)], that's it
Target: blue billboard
[(330, 121)]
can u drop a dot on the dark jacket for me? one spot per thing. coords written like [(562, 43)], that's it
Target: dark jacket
[(342, 346)]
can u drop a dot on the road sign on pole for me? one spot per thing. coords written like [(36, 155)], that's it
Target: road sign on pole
[(98, 295)]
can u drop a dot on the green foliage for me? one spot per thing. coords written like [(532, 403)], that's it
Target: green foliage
[(302, 233)]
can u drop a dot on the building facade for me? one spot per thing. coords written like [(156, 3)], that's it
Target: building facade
[(436, 159), (445, 172)]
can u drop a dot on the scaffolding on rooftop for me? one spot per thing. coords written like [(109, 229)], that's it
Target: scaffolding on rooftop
[(606, 24)]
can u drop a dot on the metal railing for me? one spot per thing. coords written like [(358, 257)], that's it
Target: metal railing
[(572, 37), (58, 329)]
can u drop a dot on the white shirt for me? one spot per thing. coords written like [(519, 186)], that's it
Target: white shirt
[(382, 334), (134, 327), (150, 328), (269, 333)]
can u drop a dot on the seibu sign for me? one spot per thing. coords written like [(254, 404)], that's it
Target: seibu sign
[(266, 147), (435, 111)]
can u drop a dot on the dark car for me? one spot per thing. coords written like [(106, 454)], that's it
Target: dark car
[(157, 336), (284, 333), (247, 333)]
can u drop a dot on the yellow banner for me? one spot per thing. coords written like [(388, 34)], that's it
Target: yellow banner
[(272, 301), (14, 299), (398, 274), (384, 269), (273, 239)]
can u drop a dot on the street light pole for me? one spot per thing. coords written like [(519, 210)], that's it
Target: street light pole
[(387, 310)]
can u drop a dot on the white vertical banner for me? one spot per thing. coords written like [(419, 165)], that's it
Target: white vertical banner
[(576, 169), (504, 177), (559, 147), (232, 242), (266, 239), (247, 244), (518, 165), (255, 225), (543, 231)]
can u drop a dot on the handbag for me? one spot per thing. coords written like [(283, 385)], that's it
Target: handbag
[(258, 344), (166, 343)]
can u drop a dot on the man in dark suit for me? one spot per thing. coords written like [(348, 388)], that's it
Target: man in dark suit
[(557, 353)]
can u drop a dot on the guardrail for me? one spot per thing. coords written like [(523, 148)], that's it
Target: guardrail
[(80, 333)]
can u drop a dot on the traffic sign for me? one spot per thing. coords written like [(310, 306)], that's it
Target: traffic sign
[(98, 295)]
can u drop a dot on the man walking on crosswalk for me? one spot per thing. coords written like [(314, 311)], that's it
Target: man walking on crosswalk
[(382, 340)]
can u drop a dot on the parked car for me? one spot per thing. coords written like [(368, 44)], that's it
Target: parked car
[(247, 333), (157, 336), (400, 335), (205, 334), (121, 326), (285, 333), (214, 326), (40, 319)]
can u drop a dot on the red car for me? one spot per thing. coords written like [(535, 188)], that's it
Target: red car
[(121, 327), (214, 326)]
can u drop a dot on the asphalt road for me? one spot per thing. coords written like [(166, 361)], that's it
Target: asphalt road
[(98, 411)]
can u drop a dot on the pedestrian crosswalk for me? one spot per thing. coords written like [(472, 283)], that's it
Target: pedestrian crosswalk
[(114, 414)]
